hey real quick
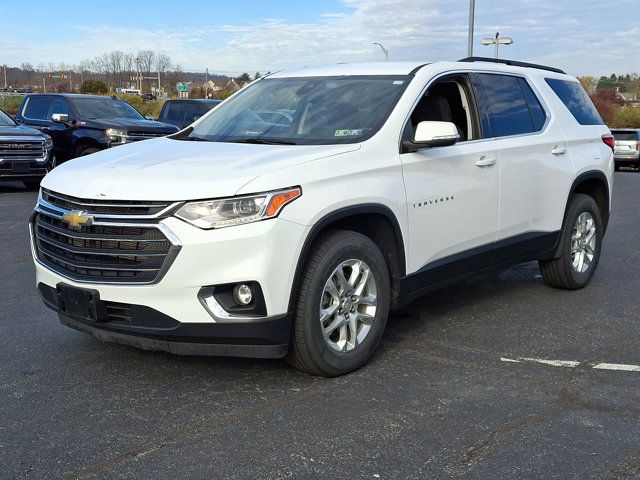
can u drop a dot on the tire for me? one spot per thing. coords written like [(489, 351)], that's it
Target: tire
[(562, 272), (341, 352), (87, 151), (31, 184)]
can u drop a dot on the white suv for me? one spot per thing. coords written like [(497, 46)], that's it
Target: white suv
[(290, 219)]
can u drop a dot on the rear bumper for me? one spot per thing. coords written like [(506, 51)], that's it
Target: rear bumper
[(149, 329)]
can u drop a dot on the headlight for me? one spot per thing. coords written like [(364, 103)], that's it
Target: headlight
[(116, 134), (237, 210), (48, 144)]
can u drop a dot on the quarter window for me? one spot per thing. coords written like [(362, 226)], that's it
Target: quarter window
[(538, 115), (576, 100)]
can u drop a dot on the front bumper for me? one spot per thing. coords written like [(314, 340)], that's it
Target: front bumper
[(25, 170), (149, 329), (264, 252)]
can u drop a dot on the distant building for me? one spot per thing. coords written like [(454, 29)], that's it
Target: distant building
[(629, 99), (233, 85), (211, 86)]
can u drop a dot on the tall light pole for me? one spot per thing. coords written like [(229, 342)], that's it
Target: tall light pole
[(5, 77), (472, 14), (386, 52), (497, 41)]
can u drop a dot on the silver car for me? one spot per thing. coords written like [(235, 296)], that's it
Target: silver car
[(627, 147)]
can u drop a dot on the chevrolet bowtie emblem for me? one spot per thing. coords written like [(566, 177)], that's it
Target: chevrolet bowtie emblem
[(77, 218)]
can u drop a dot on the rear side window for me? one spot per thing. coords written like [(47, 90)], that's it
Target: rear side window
[(625, 136), (576, 100), (505, 105), (37, 108)]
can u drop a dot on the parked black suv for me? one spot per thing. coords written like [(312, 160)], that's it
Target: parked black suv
[(25, 153), (84, 124), (183, 113)]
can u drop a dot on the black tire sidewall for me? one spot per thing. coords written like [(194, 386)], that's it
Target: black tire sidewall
[(347, 245), (579, 205)]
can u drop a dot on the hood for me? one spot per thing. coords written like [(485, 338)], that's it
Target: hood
[(20, 131), (165, 169), (129, 124)]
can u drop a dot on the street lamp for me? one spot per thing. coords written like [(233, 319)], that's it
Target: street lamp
[(472, 13), (385, 51), (497, 41)]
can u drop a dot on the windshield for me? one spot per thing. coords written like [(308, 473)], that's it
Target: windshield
[(105, 108), (5, 120), (305, 111)]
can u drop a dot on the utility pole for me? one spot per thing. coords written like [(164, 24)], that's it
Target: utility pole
[(44, 85), (472, 14), (5, 77), (206, 83)]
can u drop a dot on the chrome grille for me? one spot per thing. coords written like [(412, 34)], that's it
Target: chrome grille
[(102, 207), (21, 150), (104, 251)]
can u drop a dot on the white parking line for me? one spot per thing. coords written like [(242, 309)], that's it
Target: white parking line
[(572, 364)]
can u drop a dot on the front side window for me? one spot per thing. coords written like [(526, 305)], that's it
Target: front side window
[(37, 108), (576, 100), (105, 108), (505, 106), (305, 111), (58, 106)]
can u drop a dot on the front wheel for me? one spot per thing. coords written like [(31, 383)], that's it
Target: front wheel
[(581, 242), (342, 307)]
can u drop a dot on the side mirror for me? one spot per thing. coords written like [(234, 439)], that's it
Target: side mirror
[(432, 134), (60, 118)]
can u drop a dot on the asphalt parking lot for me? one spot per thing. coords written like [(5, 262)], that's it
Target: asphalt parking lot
[(439, 400)]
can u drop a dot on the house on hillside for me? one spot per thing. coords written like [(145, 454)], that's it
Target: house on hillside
[(629, 99), (233, 85)]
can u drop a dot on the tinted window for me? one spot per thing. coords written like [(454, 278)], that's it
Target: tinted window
[(625, 136), (5, 120), (195, 111), (176, 111), (538, 115), (37, 108), (58, 106), (576, 100), (105, 108), (505, 104)]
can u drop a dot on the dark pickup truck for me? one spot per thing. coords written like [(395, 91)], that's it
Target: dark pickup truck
[(83, 124), (25, 153), (183, 113)]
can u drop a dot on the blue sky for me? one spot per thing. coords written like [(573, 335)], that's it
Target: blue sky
[(584, 37)]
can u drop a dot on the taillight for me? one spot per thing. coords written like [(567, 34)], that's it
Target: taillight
[(609, 141)]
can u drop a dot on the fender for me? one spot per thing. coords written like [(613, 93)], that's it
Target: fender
[(319, 226), (593, 174)]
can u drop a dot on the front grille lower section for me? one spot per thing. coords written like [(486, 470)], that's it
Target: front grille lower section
[(103, 252), (11, 151)]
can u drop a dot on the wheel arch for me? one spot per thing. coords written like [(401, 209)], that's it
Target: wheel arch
[(385, 232), (595, 184)]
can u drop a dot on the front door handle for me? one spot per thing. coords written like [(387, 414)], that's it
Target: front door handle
[(486, 162), (559, 151)]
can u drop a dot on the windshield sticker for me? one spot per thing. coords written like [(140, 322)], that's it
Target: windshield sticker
[(398, 82), (348, 133)]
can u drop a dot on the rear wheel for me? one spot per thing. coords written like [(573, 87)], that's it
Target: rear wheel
[(87, 151), (343, 304), (581, 243)]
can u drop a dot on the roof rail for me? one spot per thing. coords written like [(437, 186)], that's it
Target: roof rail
[(513, 63)]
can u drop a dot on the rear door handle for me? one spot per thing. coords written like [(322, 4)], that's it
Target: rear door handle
[(486, 162), (559, 151)]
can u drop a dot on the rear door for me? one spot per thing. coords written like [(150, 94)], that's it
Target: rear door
[(534, 166)]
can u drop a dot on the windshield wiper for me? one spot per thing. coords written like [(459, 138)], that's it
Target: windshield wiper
[(263, 141)]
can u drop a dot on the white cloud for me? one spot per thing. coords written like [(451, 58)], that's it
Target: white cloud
[(575, 34)]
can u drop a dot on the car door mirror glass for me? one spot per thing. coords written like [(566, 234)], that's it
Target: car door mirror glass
[(60, 117)]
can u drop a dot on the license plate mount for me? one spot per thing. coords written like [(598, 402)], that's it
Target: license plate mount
[(82, 303)]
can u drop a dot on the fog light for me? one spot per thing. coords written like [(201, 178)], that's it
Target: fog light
[(242, 294)]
